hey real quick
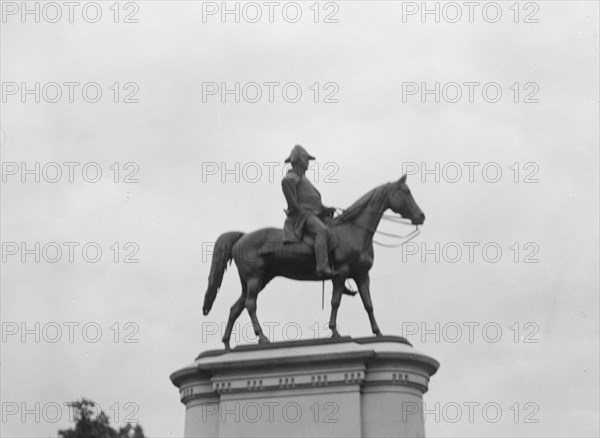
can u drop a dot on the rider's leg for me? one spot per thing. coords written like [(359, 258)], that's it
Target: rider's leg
[(318, 229)]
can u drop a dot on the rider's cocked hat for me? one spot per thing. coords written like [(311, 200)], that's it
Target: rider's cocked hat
[(296, 153)]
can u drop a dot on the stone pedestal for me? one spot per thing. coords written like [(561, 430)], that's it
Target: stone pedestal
[(365, 387)]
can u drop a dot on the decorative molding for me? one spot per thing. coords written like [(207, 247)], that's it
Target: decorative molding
[(318, 379), (357, 377), (401, 378), (221, 387), (254, 385), (287, 382)]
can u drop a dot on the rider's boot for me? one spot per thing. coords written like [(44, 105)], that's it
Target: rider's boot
[(322, 255)]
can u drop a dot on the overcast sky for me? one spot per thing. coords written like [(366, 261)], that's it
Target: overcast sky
[(528, 290)]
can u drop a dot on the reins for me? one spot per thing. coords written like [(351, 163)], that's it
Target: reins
[(408, 237), (399, 220)]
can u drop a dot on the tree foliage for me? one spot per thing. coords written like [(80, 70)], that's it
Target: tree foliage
[(92, 422)]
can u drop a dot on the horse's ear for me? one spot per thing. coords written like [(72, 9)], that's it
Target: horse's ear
[(403, 179)]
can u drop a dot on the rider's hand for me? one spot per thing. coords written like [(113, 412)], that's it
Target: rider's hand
[(291, 210)]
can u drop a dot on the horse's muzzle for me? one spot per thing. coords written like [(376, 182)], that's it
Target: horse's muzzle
[(419, 220)]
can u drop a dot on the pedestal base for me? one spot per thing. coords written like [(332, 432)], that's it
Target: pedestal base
[(365, 387)]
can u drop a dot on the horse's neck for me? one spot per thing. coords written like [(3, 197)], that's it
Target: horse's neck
[(369, 219)]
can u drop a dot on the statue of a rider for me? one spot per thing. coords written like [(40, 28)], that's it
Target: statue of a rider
[(305, 212)]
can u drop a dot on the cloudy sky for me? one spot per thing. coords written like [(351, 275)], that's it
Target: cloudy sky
[(133, 136)]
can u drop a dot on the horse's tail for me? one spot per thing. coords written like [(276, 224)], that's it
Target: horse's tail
[(221, 256)]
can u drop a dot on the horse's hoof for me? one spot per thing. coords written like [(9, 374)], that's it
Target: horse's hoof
[(227, 347), (347, 291), (378, 333), (336, 335), (263, 340)]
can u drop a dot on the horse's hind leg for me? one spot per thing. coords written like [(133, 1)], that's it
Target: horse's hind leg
[(254, 287), (234, 314)]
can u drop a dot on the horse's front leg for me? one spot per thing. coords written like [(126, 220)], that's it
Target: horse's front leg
[(336, 299), (364, 283)]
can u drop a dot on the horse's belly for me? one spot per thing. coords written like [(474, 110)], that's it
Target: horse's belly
[(294, 264), (293, 261)]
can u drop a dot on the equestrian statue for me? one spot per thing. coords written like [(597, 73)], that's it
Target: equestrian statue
[(313, 245)]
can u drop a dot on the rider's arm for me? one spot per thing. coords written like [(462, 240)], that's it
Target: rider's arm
[(288, 184)]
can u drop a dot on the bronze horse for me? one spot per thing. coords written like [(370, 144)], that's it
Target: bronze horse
[(261, 256)]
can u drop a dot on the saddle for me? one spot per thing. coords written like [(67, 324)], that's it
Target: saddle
[(306, 247)]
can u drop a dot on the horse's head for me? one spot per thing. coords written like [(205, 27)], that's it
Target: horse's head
[(401, 201)]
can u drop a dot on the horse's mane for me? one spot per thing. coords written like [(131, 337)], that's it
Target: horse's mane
[(351, 213)]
